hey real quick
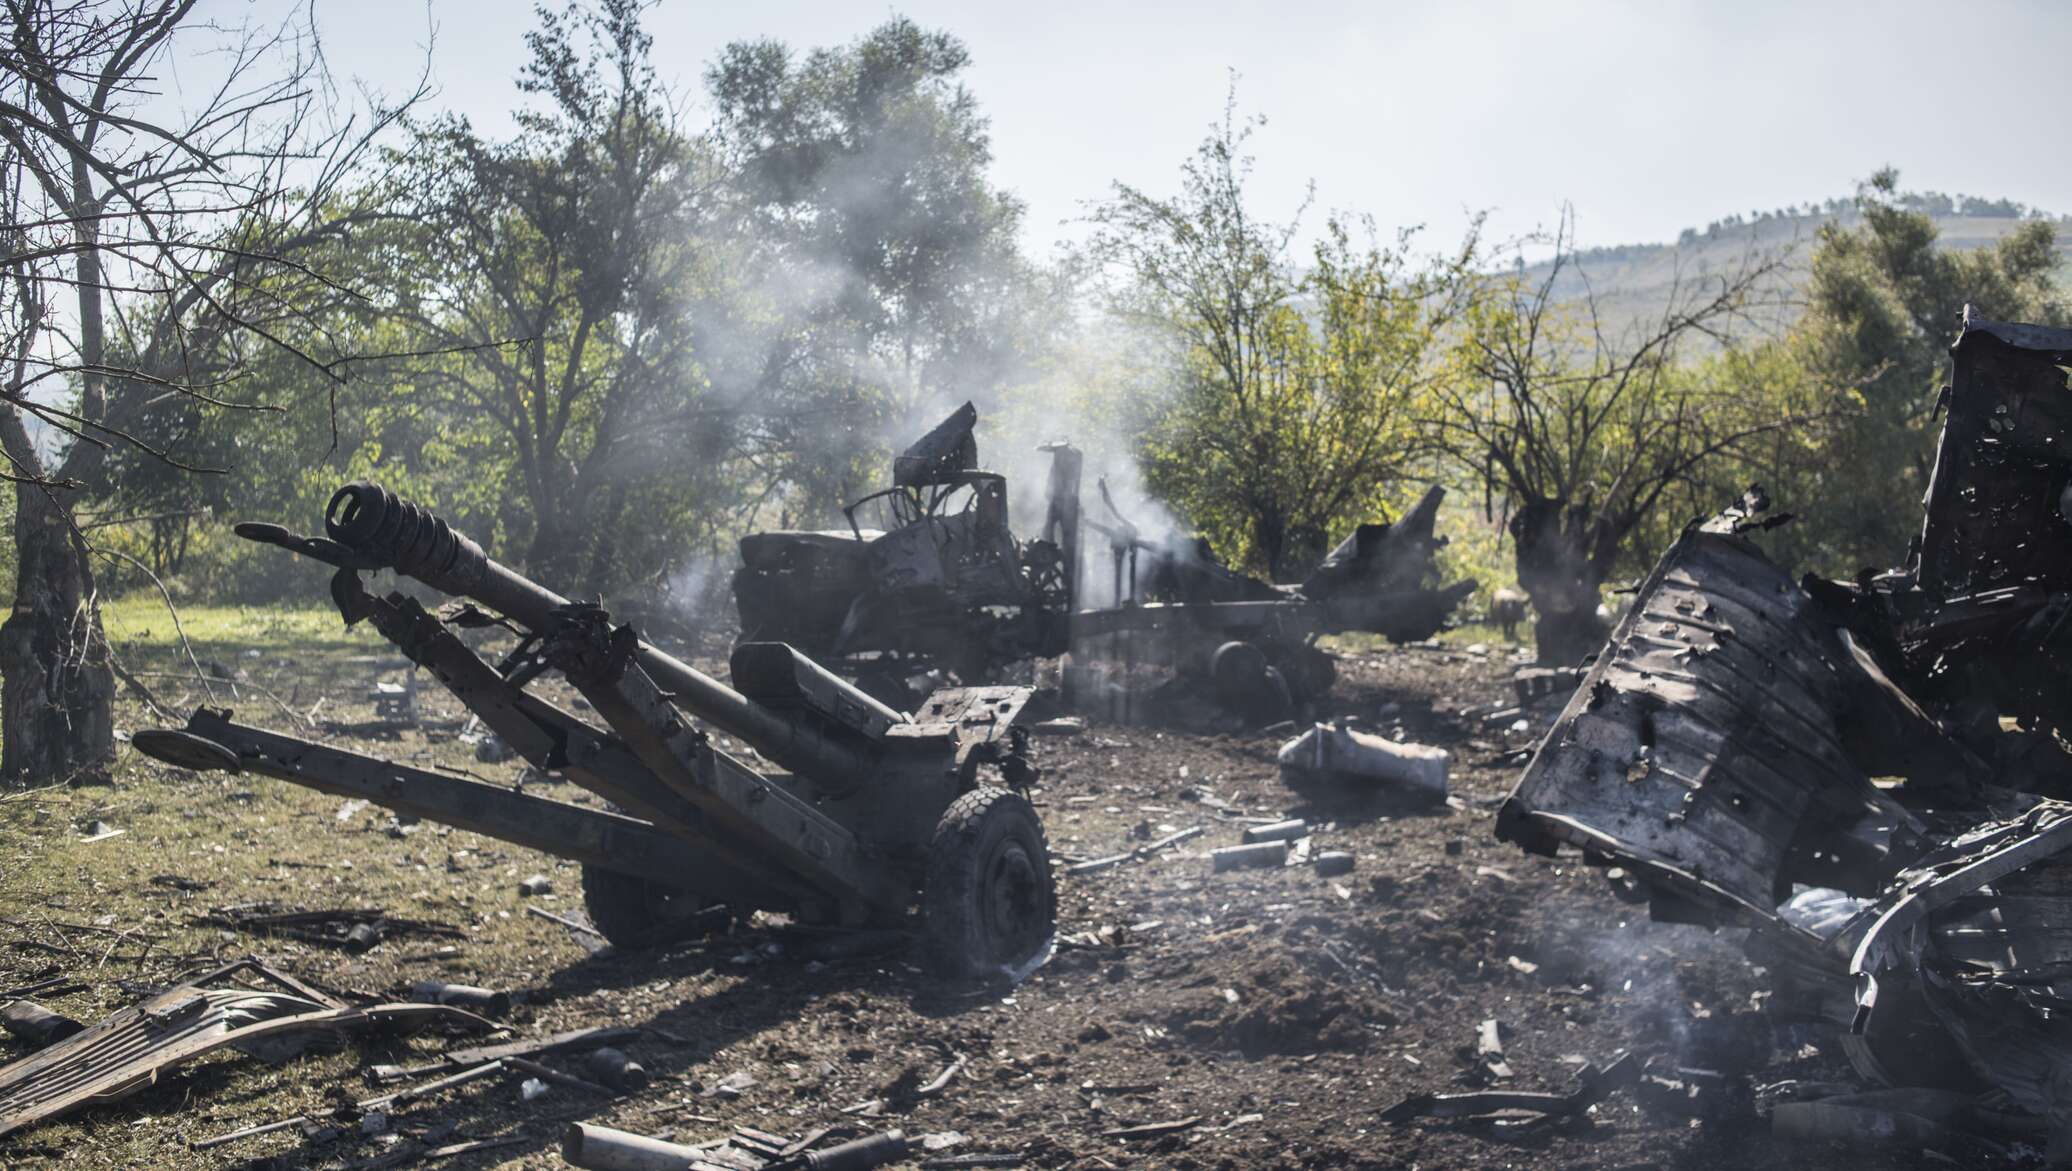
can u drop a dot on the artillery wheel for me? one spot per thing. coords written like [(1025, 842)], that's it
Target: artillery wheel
[(635, 913), (989, 904), (1311, 672), (1248, 686)]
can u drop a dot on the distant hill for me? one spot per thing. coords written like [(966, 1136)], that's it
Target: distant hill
[(1633, 282)]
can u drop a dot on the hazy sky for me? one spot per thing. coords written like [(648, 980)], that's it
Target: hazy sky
[(1648, 117)]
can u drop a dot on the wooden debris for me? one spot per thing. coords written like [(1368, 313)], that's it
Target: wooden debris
[(550, 1074), (592, 1038), (936, 1085), (1152, 1129), (1139, 854), (1489, 1048)]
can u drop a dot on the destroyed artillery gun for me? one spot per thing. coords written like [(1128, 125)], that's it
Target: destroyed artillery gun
[(861, 813), (1180, 607), (941, 585), (928, 577)]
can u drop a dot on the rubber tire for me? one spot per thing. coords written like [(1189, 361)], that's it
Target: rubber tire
[(1310, 673), (989, 901), (1246, 685), (633, 913)]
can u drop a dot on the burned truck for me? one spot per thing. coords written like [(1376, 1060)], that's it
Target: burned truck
[(927, 578), (1871, 775), (929, 582), (837, 809)]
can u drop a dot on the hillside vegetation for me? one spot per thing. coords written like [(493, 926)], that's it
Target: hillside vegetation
[(1635, 282)]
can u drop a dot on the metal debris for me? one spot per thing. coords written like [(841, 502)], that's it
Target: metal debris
[(612, 1067), (1260, 854), (1593, 1085), (36, 1025), (1279, 831), (353, 929), (1720, 756), (1332, 863), (132, 1048), (466, 996), (1329, 754)]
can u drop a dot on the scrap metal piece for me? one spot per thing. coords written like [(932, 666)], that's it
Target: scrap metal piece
[(1593, 1085), (1329, 754), (1256, 855), (1720, 747), (36, 1025), (938, 456), (1982, 927), (128, 1050)]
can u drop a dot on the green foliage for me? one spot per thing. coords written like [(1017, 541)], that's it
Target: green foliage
[(879, 282), (1884, 303), (1587, 435), (1285, 406)]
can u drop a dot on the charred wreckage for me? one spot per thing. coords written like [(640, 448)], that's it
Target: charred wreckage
[(929, 582), (1872, 776)]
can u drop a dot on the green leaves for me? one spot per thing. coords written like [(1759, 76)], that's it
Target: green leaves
[(1288, 399)]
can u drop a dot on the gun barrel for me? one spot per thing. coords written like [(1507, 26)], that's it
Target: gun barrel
[(409, 538)]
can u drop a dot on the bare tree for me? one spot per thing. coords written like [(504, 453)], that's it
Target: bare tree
[(149, 240), (1583, 432)]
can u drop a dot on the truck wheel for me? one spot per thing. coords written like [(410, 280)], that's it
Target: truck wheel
[(1246, 685), (988, 904), (635, 913), (1310, 673)]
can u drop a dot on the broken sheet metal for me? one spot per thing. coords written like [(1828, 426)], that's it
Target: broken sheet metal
[(1723, 744), (129, 1050), (1998, 496), (1980, 616), (1982, 927)]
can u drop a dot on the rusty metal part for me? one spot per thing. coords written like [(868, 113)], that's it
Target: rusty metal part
[(131, 1048)]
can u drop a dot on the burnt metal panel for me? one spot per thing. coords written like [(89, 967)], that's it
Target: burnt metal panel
[(1706, 746), (947, 449), (128, 1050), (1995, 512)]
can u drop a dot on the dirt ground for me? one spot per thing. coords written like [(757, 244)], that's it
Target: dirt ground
[(1282, 1010)]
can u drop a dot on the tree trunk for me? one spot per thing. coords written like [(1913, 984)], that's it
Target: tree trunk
[(57, 683), (1558, 572)]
